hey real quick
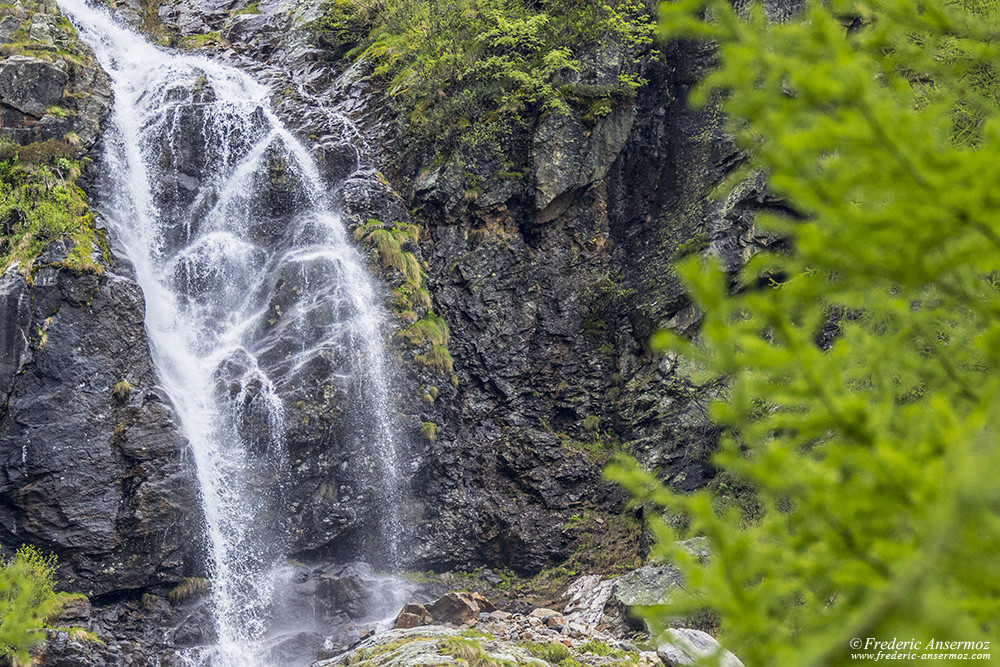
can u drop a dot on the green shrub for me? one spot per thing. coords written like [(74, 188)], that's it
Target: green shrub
[(26, 600)]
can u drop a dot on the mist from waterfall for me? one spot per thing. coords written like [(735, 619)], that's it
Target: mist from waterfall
[(219, 208)]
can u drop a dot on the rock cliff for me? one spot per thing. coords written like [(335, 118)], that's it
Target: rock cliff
[(544, 275), (93, 466)]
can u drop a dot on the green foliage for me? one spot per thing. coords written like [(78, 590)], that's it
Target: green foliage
[(863, 357), (470, 64), (471, 652), (40, 202), (26, 600)]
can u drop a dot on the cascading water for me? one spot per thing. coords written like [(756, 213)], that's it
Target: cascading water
[(220, 209)]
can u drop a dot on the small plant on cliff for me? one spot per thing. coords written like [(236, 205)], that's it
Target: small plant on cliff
[(26, 600), (122, 391), (437, 357), (864, 357), (429, 431), (188, 588)]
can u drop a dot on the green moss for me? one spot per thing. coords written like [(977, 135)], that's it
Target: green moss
[(692, 246), (40, 202), (428, 430), (437, 357), (428, 329), (591, 423), (199, 41), (252, 8), (122, 390), (607, 544)]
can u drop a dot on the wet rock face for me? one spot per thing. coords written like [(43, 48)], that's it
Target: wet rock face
[(101, 478), (551, 283), (568, 156)]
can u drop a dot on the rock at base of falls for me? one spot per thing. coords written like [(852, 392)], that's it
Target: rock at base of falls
[(104, 481)]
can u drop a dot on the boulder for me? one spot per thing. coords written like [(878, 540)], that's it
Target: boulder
[(30, 85), (356, 591), (679, 647), (411, 616), (458, 608), (420, 647), (647, 586), (588, 598), (293, 648)]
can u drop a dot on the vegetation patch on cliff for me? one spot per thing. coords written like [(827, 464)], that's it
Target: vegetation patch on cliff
[(40, 202), (468, 65)]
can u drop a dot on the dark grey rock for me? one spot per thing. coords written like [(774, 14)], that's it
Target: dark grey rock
[(647, 586), (106, 484), (30, 85), (568, 156), (8, 25)]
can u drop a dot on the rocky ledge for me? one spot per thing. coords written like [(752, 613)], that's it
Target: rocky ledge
[(467, 629)]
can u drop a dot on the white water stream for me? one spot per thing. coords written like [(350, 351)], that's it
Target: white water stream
[(220, 209)]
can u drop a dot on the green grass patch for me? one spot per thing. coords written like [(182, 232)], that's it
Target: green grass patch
[(549, 652), (437, 357), (40, 203)]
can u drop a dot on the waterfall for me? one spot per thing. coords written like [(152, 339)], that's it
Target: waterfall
[(249, 276)]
